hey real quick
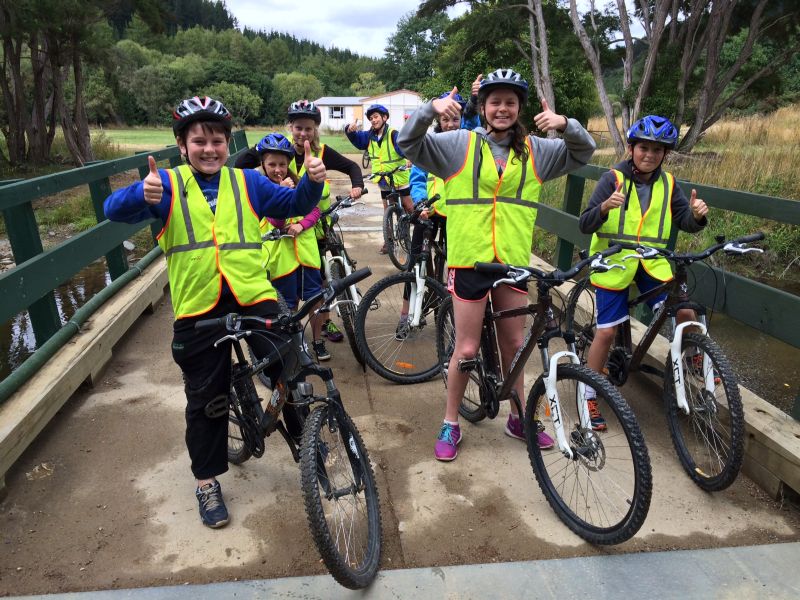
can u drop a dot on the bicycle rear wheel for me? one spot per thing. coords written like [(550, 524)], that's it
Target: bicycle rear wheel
[(710, 439), (395, 232), (341, 497), (347, 311), (581, 316), (471, 406), (603, 493), (393, 348), (237, 448)]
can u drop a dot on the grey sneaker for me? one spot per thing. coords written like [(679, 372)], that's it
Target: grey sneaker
[(320, 350), (212, 507)]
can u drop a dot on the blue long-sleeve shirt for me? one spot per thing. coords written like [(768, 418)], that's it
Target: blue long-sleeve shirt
[(418, 179), (268, 199), (361, 139)]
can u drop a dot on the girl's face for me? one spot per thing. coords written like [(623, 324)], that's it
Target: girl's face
[(303, 130), (449, 123), (207, 150), (377, 120), (501, 109), (276, 166), (647, 156)]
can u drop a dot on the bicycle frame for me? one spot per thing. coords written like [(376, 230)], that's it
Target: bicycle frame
[(342, 258)]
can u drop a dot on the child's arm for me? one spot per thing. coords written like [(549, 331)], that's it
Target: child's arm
[(271, 200), (336, 162), (395, 135), (683, 214), (553, 157), (593, 217), (311, 218), (359, 139), (128, 205), (442, 154), (418, 179)]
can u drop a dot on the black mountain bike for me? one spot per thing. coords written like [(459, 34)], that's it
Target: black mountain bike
[(396, 231), (396, 320), (701, 393), (599, 486), (339, 490)]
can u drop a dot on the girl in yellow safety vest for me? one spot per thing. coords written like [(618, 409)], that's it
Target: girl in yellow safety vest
[(635, 202), (492, 180)]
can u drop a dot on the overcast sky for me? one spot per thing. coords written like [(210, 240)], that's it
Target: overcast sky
[(346, 24)]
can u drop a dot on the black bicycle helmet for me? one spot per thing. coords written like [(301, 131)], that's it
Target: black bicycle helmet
[(504, 78), (303, 109), (196, 109)]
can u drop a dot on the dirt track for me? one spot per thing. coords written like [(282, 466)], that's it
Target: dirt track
[(104, 498)]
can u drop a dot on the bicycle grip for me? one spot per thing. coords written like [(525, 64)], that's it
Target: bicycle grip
[(354, 277), (491, 268), (753, 237), (210, 323)]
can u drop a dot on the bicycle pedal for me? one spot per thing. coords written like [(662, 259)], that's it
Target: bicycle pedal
[(467, 364)]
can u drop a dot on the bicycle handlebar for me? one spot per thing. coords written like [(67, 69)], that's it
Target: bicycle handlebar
[(736, 246)]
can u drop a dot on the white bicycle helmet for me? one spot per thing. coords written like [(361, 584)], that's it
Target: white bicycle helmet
[(501, 78), (199, 109)]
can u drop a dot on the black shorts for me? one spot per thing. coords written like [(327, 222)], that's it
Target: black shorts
[(470, 286), (406, 191)]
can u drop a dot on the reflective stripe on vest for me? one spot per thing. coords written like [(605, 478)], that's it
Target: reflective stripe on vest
[(385, 158), (483, 206), (201, 246), (436, 186), (627, 224)]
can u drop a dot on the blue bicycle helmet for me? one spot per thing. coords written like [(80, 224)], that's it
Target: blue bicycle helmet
[(456, 97), (501, 78), (653, 128), (275, 142), (377, 108)]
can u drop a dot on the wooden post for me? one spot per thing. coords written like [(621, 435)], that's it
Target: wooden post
[(573, 196), (116, 259)]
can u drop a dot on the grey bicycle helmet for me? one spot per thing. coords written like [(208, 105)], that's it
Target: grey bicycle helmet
[(304, 109), (504, 78), (196, 109)]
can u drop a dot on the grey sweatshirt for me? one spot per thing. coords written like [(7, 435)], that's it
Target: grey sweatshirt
[(592, 218), (443, 153)]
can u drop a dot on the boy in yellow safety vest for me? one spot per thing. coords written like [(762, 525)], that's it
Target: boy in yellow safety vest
[(635, 202), (212, 243)]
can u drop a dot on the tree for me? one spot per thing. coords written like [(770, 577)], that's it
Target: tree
[(368, 84), (293, 86), (240, 100), (411, 52)]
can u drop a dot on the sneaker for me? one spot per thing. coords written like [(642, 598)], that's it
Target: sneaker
[(212, 507), (331, 331), (401, 332), (447, 442), (383, 250), (320, 350), (515, 429), (598, 422)]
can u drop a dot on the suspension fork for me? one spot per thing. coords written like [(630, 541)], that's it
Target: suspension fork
[(417, 296)]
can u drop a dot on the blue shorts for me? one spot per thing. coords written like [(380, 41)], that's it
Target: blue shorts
[(301, 284), (612, 305)]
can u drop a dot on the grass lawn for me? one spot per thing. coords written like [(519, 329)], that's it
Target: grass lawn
[(152, 138)]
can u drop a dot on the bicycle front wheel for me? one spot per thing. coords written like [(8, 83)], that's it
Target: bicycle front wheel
[(710, 439), (237, 448), (392, 345), (395, 232), (581, 316), (471, 406), (603, 492), (341, 497), (347, 311)]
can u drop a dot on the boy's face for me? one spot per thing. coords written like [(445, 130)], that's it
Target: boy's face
[(647, 156), (302, 130), (207, 150), (501, 109), (276, 166), (448, 123), (377, 120)]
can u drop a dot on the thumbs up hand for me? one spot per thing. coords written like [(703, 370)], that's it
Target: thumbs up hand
[(699, 208), (547, 120), (153, 188), (447, 106), (476, 85), (314, 167), (615, 200)]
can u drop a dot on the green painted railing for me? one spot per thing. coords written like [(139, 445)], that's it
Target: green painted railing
[(29, 286), (773, 311)]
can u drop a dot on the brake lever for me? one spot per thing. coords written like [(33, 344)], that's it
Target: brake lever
[(602, 265), (734, 248)]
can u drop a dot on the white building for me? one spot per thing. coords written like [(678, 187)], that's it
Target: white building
[(337, 111)]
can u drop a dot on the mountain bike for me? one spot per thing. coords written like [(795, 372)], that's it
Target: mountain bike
[(338, 484), (338, 264), (700, 391), (599, 486), (396, 231), (396, 320)]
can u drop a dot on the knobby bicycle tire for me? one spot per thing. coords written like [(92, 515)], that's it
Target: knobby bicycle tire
[(400, 354), (394, 237), (341, 497), (603, 494), (238, 452), (471, 405), (581, 300), (347, 311), (365, 159), (710, 440)]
